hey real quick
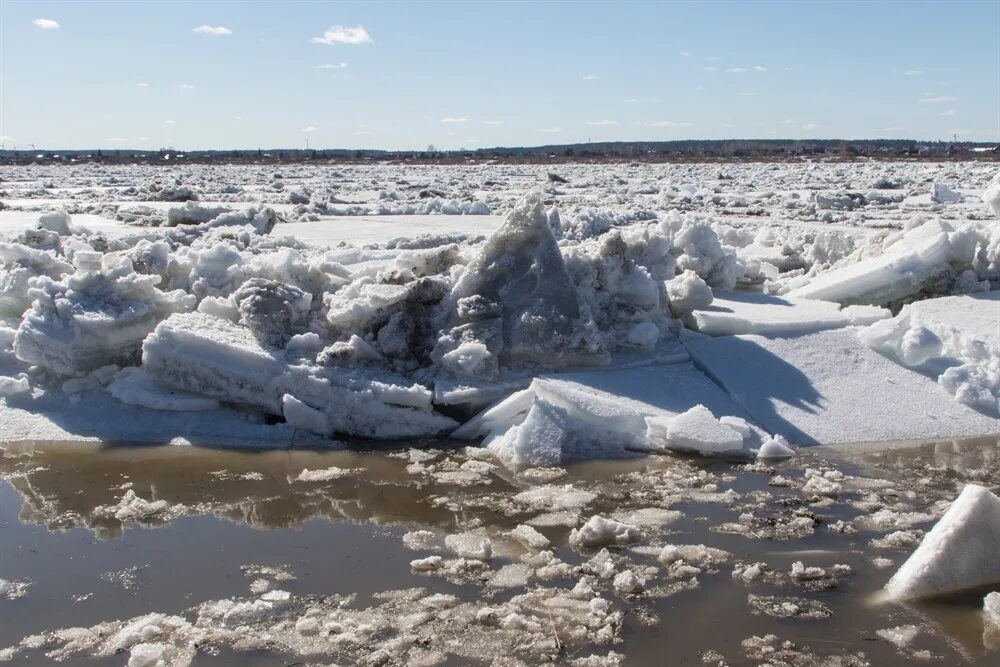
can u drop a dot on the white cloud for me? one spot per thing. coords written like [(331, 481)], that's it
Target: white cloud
[(170, 122), (237, 117), (602, 122), (217, 30), (6, 138), (949, 112), (492, 122), (737, 70), (928, 98), (590, 77), (186, 86), (309, 128), (713, 59), (710, 69), (452, 119), (809, 126), (685, 54), (788, 121), (472, 141), (759, 68), (362, 133), (669, 123), (331, 66), (115, 140), (143, 85), (46, 24), (340, 35), (912, 72), (551, 130)]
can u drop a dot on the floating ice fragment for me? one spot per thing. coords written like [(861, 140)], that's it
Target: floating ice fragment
[(775, 447), (600, 532), (959, 552)]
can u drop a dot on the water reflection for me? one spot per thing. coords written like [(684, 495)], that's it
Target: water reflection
[(63, 484)]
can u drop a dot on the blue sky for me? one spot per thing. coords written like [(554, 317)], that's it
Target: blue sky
[(402, 75)]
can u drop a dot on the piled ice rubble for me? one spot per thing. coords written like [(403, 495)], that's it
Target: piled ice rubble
[(928, 257), (214, 357), (602, 273), (94, 317)]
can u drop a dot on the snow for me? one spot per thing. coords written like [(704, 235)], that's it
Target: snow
[(770, 315), (828, 388), (954, 339), (958, 553)]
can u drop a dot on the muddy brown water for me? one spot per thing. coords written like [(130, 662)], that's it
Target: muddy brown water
[(243, 508)]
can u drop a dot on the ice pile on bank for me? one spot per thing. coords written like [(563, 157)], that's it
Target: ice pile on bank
[(515, 303), (928, 257), (210, 356)]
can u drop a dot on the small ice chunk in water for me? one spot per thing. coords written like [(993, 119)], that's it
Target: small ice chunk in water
[(469, 545), (775, 447), (601, 532), (959, 552)]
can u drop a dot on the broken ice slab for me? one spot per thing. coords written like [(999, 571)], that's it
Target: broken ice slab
[(752, 313), (961, 551), (213, 357), (597, 414), (473, 394), (50, 417), (954, 339), (828, 387), (907, 264)]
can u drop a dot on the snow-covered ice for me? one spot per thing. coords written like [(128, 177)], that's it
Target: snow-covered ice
[(828, 388), (954, 339)]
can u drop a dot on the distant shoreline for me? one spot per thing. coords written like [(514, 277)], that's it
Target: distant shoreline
[(687, 151)]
